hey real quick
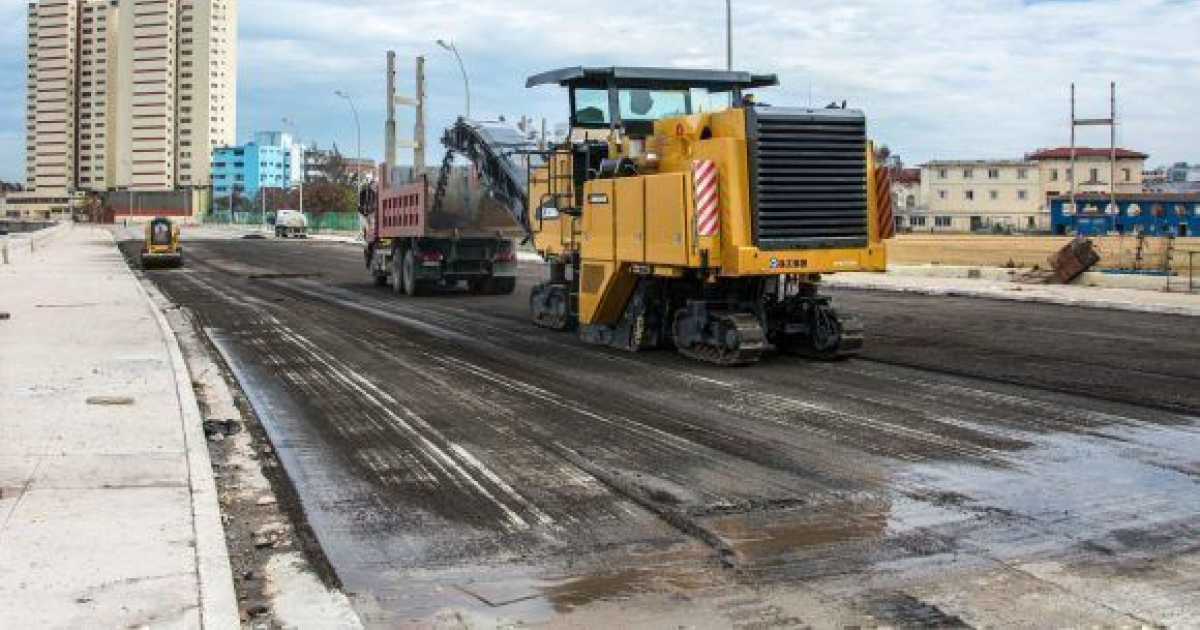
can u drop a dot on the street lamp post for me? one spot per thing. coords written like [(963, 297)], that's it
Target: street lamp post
[(461, 68), (303, 161), (729, 34), (357, 126)]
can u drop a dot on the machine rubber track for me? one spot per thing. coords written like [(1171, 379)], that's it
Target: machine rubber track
[(752, 342)]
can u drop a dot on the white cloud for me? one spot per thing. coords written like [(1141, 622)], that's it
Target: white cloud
[(967, 78)]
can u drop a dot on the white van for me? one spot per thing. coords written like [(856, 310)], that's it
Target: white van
[(290, 223)]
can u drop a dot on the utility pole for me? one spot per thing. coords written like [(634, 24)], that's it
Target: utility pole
[(389, 125), (1111, 123), (417, 144), (419, 130)]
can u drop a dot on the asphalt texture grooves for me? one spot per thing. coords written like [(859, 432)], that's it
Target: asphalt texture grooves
[(446, 441)]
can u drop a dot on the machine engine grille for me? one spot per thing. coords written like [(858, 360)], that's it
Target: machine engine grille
[(808, 177)]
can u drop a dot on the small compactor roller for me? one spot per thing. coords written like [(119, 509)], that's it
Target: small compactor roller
[(161, 249)]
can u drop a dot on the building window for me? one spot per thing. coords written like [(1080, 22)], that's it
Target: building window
[(1127, 174), (1133, 210), (1094, 175), (942, 173), (941, 194), (1022, 173), (993, 194), (969, 195), (942, 222), (993, 173), (968, 173), (1053, 174), (916, 221), (1023, 195)]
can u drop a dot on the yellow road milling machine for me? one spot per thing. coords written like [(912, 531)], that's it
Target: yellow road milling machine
[(681, 212), (161, 247)]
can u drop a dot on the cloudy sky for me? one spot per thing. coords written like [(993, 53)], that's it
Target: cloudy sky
[(938, 78)]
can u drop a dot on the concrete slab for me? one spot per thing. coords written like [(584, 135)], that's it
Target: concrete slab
[(1069, 295), (111, 558), (108, 516)]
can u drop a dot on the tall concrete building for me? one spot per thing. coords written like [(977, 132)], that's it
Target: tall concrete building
[(128, 93)]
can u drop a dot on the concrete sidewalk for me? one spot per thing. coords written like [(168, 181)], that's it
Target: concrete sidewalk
[(1066, 295), (108, 509)]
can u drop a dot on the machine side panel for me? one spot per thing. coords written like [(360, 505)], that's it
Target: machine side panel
[(667, 224), (630, 213), (599, 206), (733, 183)]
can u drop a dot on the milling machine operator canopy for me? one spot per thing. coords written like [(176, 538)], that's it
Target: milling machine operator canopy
[(633, 98)]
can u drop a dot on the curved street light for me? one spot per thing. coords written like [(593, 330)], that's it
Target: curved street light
[(461, 68), (357, 126)]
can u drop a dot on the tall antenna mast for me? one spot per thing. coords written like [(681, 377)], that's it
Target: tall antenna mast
[(1111, 123)]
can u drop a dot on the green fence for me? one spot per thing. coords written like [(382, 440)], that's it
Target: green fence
[(325, 222)]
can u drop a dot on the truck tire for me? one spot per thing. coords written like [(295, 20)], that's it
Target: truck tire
[(397, 276), (412, 286)]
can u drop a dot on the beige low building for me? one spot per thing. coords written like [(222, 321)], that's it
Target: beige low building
[(1094, 169), (980, 195)]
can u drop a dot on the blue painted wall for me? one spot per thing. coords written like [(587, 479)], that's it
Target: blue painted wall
[(1146, 214), (251, 167)]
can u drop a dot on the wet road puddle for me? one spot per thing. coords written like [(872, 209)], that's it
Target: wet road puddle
[(1069, 495)]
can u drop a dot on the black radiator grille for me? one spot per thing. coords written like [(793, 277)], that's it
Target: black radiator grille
[(809, 178)]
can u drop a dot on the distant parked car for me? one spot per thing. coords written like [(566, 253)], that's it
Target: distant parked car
[(290, 223)]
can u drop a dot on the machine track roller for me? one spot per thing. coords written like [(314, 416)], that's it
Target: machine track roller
[(836, 336), (549, 304), (734, 339)]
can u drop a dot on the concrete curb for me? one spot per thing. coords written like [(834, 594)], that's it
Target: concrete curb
[(1017, 296), (218, 600)]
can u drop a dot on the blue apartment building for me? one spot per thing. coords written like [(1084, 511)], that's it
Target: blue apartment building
[(254, 166)]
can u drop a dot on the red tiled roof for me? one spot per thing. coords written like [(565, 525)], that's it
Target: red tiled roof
[(908, 176), (1064, 153)]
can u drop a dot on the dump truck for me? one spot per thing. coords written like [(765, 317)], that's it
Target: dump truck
[(437, 232), (161, 246)]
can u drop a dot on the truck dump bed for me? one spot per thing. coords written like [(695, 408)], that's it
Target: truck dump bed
[(483, 199), (466, 210)]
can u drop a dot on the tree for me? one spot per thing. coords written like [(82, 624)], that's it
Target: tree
[(333, 185)]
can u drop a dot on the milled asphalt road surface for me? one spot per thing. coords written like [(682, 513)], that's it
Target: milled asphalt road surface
[(985, 463)]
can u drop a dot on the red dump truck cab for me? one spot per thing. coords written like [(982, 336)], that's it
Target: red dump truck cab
[(417, 248)]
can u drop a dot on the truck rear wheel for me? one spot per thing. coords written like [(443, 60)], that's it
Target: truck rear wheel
[(397, 275), (412, 286)]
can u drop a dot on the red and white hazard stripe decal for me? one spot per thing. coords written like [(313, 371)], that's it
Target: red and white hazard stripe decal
[(708, 211)]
